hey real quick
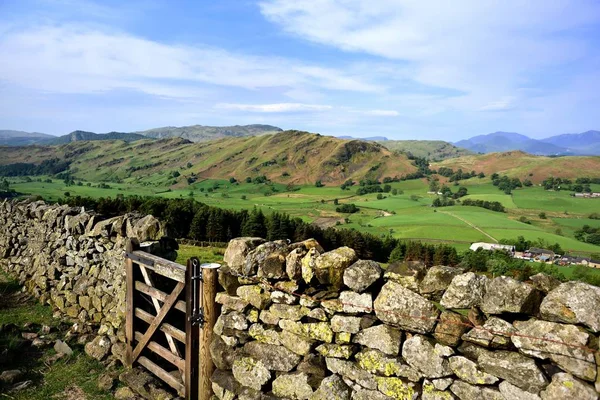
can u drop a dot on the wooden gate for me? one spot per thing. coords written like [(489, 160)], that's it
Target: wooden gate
[(169, 320)]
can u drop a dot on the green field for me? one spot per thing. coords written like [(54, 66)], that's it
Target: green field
[(407, 215)]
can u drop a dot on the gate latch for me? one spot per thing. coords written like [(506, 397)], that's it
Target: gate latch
[(197, 317)]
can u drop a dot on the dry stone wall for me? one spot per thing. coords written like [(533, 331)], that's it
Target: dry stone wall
[(73, 260), (300, 323)]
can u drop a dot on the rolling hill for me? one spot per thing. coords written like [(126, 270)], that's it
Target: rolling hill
[(78, 136), (434, 150), (201, 133), (587, 143), (523, 165), (20, 138), (287, 157)]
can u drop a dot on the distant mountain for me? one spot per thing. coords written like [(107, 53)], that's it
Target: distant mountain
[(20, 138), (77, 136), (507, 141), (201, 133), (434, 150), (580, 143), (370, 139)]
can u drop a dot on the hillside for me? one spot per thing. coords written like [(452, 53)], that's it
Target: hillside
[(287, 157), (434, 150), (20, 138), (78, 136), (581, 143), (523, 165), (200, 133)]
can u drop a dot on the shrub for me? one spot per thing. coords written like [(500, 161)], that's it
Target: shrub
[(347, 208)]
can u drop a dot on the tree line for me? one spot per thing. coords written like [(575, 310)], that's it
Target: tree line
[(46, 167)]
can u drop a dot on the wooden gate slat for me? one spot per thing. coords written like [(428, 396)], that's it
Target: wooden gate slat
[(164, 327), (163, 352), (163, 267), (169, 301), (157, 294), (164, 375)]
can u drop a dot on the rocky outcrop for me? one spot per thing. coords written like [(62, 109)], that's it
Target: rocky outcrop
[(332, 328)]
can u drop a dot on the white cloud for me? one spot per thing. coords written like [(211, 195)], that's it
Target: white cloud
[(382, 113), (504, 104), (275, 108), (72, 59)]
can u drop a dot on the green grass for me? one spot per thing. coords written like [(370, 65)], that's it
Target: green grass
[(204, 254)]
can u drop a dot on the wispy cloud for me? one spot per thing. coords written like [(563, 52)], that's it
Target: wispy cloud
[(275, 108), (382, 113)]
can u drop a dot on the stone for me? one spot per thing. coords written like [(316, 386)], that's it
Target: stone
[(308, 264), (306, 245), (319, 314), (290, 312), (465, 291), (512, 392), (295, 343), (408, 274), (450, 328), (350, 370), (125, 393), (405, 309), (355, 303), (255, 295), (508, 295), (379, 363), (268, 317), (144, 384), (293, 263), (320, 331), (250, 372), (329, 267), (336, 350), (228, 280), (147, 228), (573, 303), (62, 347), (224, 385), (267, 260), (230, 303), (396, 388), (98, 348), (468, 371), (365, 394), (234, 320), (10, 376), (280, 297), (106, 382), (465, 391), (344, 323), (437, 280), (544, 283), (361, 275), (422, 355), (517, 369), (565, 386), (222, 354), (430, 392), (238, 249), (565, 345), (442, 383), (292, 386), (381, 337), (273, 357), (495, 333), (262, 335), (332, 388)]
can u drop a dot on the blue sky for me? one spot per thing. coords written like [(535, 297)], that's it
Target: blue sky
[(407, 69)]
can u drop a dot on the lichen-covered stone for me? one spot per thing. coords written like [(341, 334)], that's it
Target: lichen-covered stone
[(517, 369), (291, 312), (222, 354), (319, 314), (403, 308), (262, 335), (450, 328), (314, 330), (255, 295), (98, 348), (292, 386), (351, 371), (564, 386), (295, 343), (293, 263), (336, 350), (234, 320), (408, 274), (362, 274), (426, 357), (565, 345), (237, 250), (279, 297), (468, 371), (332, 388), (250, 372), (275, 358), (396, 388), (228, 302), (366, 394), (544, 283), (437, 280), (495, 333), (329, 267), (345, 323), (267, 260), (506, 294), (573, 303), (465, 391), (465, 291), (379, 363), (512, 392), (224, 384), (308, 265)]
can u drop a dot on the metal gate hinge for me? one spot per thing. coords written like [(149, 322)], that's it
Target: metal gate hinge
[(198, 318)]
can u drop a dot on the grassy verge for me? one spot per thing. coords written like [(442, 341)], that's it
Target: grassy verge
[(205, 254)]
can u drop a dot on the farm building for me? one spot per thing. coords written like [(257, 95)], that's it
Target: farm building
[(574, 260), (492, 247), (539, 254), (588, 195)]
